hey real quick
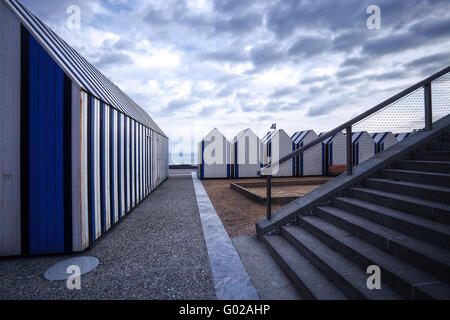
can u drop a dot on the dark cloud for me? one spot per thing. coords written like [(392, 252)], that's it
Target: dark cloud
[(314, 79), (433, 59), (227, 55), (114, 59), (308, 46), (325, 108), (283, 92), (176, 105), (267, 54), (239, 24)]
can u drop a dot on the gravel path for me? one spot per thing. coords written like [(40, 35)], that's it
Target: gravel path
[(158, 252)]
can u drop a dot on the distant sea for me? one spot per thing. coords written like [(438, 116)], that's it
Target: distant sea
[(182, 158)]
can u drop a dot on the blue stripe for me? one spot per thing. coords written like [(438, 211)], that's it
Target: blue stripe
[(102, 166), (119, 160), (203, 160), (112, 142), (46, 186), (92, 164), (125, 163)]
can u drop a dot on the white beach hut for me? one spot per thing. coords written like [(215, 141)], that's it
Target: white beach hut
[(335, 154), (277, 144), (214, 156), (363, 147), (383, 141), (308, 163), (246, 154)]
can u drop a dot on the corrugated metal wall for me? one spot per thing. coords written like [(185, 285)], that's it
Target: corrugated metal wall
[(45, 150), (246, 155), (117, 166), (71, 166), (10, 242)]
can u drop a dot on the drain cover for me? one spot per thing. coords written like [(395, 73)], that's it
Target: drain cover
[(59, 270)]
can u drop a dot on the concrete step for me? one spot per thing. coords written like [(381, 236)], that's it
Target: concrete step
[(419, 190), (308, 280), (424, 166), (432, 178), (441, 146), (432, 155), (349, 277), (337, 223), (409, 281), (412, 225), (432, 210)]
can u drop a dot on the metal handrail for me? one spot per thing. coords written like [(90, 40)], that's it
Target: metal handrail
[(426, 84)]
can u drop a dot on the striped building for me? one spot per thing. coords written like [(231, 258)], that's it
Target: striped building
[(363, 147), (246, 155), (308, 163), (214, 156), (335, 154), (78, 154), (276, 145), (383, 141)]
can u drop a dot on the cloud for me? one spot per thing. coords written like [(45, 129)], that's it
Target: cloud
[(308, 46), (114, 60), (236, 64)]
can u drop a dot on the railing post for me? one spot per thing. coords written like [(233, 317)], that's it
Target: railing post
[(349, 150), (269, 197), (428, 107)]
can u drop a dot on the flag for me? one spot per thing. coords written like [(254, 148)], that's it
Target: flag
[(274, 127)]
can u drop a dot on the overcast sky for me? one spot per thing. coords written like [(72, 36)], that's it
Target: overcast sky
[(232, 64)]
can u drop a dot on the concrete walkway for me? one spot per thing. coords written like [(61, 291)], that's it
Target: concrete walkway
[(158, 252)]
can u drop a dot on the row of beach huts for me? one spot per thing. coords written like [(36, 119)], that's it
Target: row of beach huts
[(246, 154)]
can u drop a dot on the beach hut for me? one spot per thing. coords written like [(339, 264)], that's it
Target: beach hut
[(246, 154), (214, 158), (401, 136), (276, 145), (383, 141), (308, 163), (363, 147), (335, 154), (78, 154)]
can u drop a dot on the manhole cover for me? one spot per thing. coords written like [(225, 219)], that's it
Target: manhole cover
[(59, 270)]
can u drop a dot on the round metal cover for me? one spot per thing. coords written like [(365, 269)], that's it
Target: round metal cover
[(59, 270)]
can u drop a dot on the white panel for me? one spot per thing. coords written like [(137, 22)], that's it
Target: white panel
[(122, 163), (98, 221), (84, 171), (10, 229), (128, 166), (107, 182), (116, 166), (76, 140), (133, 164)]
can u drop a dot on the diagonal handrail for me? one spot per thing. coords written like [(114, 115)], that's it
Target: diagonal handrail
[(425, 84), (357, 119)]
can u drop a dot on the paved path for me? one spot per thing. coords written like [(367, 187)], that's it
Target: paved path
[(230, 277), (158, 252)]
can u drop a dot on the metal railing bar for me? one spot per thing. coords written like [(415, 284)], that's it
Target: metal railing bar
[(395, 98)]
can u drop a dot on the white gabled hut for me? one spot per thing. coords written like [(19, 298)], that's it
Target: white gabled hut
[(214, 159)]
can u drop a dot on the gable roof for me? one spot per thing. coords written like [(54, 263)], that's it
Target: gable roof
[(381, 136), (84, 74), (299, 136)]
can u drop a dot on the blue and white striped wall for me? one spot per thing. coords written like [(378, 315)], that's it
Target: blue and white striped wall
[(363, 147), (77, 166)]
